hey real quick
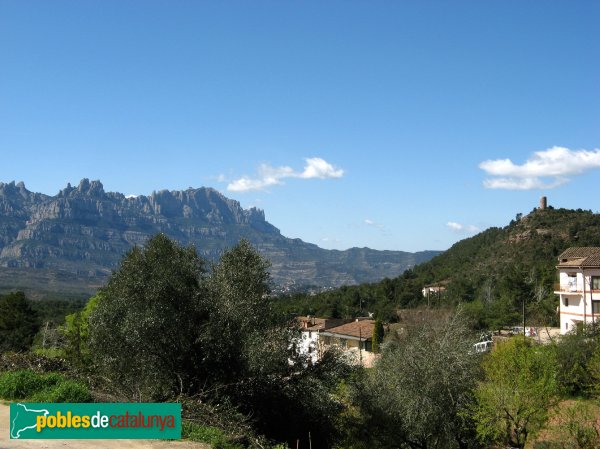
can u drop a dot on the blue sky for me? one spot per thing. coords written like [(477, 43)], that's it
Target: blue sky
[(403, 125)]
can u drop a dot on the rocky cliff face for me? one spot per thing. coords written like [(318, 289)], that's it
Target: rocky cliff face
[(84, 231)]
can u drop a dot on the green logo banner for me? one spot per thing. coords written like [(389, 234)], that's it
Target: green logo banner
[(95, 421)]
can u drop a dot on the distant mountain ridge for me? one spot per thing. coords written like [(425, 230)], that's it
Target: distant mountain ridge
[(78, 237)]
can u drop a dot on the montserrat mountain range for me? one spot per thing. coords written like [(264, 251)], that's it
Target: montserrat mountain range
[(79, 236)]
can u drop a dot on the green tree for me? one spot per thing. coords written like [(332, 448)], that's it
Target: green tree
[(18, 323), (575, 351), (418, 392), (76, 332), (238, 314), (377, 337), (143, 331), (249, 360), (162, 328), (519, 388), (593, 370)]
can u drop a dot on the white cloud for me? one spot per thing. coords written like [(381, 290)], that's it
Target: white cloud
[(461, 228), (221, 178), (454, 226), (268, 176), (369, 222), (131, 196), (320, 168), (556, 163)]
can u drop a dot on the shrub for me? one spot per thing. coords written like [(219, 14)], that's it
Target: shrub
[(49, 387), (206, 434), (19, 384), (65, 391)]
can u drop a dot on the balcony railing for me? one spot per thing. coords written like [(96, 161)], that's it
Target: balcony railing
[(567, 288)]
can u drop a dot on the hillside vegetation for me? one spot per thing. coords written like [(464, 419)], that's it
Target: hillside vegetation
[(492, 272), (212, 341)]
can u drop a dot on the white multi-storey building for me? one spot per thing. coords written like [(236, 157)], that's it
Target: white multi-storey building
[(579, 288)]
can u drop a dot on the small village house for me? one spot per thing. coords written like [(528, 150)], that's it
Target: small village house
[(355, 339), (352, 337), (433, 290), (309, 339), (579, 287)]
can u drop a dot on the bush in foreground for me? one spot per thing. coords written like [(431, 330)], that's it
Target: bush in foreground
[(36, 387)]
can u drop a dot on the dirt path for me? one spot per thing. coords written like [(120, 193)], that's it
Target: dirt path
[(7, 443)]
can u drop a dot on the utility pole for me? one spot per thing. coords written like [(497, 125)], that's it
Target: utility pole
[(523, 317), (360, 344)]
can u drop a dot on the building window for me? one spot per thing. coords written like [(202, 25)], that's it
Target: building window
[(595, 306), (572, 282), (595, 282), (309, 334), (566, 302), (566, 326)]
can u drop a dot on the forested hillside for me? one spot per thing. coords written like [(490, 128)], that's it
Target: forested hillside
[(492, 272)]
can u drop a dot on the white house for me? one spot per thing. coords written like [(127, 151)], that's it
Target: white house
[(354, 339), (311, 327), (436, 290), (579, 288)]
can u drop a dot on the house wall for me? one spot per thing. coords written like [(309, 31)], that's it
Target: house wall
[(355, 352), (363, 358), (573, 308), (309, 345)]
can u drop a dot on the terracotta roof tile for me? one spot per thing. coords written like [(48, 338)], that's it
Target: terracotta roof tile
[(585, 256), (359, 329), (317, 324)]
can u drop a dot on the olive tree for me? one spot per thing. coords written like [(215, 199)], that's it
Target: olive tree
[(249, 357), (143, 330), (419, 391), (163, 327)]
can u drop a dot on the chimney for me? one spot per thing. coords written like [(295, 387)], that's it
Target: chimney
[(543, 203)]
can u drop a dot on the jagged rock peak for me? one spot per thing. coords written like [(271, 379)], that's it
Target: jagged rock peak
[(12, 186), (14, 190), (85, 188)]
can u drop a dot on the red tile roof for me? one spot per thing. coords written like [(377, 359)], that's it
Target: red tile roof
[(585, 256), (362, 329), (317, 324)]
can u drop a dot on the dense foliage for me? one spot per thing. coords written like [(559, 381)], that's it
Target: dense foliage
[(53, 311), (494, 273), (576, 355), (18, 323), (41, 387), (519, 389), (419, 392), (143, 330), (164, 329), (76, 334)]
